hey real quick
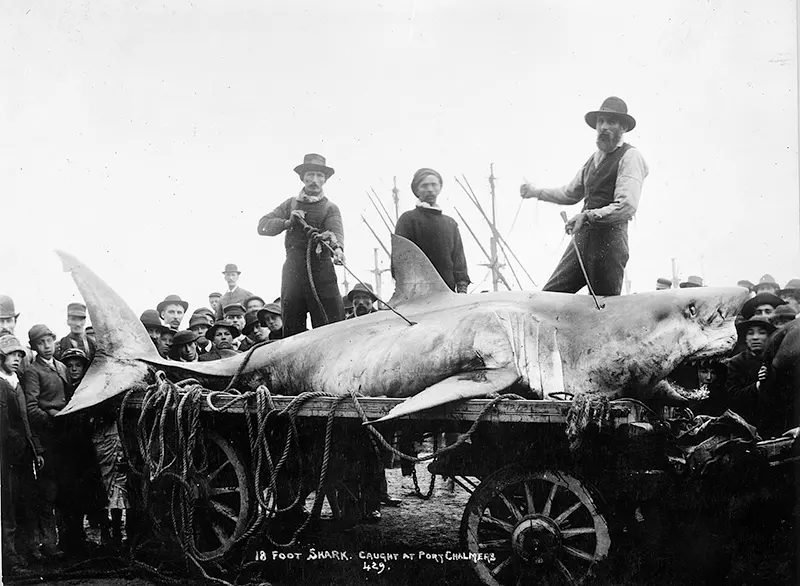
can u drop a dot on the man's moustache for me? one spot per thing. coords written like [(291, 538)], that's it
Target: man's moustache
[(361, 309)]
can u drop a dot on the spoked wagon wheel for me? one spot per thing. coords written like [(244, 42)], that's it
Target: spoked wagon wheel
[(223, 500), (532, 528)]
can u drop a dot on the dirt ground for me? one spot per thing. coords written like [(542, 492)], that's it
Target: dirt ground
[(427, 532)]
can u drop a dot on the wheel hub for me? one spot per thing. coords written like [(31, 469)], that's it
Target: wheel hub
[(536, 539)]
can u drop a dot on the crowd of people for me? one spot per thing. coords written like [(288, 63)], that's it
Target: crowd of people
[(59, 471), (742, 382)]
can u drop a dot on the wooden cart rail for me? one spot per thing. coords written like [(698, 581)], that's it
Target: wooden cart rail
[(511, 411)]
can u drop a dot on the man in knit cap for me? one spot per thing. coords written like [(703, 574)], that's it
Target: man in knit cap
[(312, 207), (435, 233), (610, 183)]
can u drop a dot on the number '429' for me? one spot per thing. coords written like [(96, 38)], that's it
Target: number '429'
[(378, 567)]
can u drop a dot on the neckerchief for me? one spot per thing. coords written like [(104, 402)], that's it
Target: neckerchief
[(303, 197), (425, 205)]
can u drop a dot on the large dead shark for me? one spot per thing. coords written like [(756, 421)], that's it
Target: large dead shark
[(460, 346)]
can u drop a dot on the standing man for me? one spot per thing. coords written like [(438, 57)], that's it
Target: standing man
[(234, 294), (76, 320), (433, 232), (172, 310), (312, 206), (610, 183)]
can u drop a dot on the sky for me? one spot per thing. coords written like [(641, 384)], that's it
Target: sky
[(148, 138)]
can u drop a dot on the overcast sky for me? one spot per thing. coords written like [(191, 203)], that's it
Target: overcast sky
[(149, 138)]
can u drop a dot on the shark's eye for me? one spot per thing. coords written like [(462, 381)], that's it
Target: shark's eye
[(692, 310)]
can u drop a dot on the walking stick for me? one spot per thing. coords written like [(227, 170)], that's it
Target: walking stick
[(580, 262)]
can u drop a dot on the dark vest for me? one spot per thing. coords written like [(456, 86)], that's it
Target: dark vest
[(599, 183)]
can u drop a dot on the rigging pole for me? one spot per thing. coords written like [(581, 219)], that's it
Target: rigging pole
[(396, 198), (493, 239)]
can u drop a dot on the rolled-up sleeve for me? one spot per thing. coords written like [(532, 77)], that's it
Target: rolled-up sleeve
[(275, 222), (627, 191), (568, 194)]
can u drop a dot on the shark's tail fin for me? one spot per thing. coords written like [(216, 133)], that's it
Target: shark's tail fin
[(415, 276), (122, 341)]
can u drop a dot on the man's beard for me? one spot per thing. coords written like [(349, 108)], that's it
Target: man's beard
[(607, 140)]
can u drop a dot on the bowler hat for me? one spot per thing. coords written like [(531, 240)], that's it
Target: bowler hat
[(273, 308), (749, 308), (222, 323), (761, 321), (251, 298), (184, 337), (9, 344), (150, 320), (250, 321), (74, 353), (76, 310), (313, 162), (617, 107), (233, 309), (172, 300), (692, 281), (38, 332), (230, 268), (7, 307), (363, 288), (199, 319), (664, 281), (767, 281)]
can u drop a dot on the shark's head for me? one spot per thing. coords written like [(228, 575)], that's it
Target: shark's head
[(649, 334)]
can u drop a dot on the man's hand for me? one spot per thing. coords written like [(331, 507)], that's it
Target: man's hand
[(526, 191), (296, 216), (461, 287), (575, 223), (338, 256), (762, 373)]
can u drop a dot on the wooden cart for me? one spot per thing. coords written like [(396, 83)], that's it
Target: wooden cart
[(534, 506)]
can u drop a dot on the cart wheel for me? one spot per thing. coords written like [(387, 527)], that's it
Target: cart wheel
[(526, 527), (223, 500)]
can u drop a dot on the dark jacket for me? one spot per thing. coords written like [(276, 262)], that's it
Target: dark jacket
[(741, 384), (20, 444), (238, 295), (72, 341), (45, 388), (438, 237), (215, 354), (322, 215)]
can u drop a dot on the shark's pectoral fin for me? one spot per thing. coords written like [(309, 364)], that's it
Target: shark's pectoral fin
[(462, 386), (105, 378)]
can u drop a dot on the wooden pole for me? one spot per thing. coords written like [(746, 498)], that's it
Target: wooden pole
[(493, 239), (483, 250), (396, 198)]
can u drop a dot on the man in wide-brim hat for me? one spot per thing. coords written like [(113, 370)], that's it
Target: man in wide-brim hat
[(610, 185), (762, 305), (363, 299), (692, 281), (310, 208), (221, 335)]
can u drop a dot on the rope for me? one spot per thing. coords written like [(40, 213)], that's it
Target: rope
[(311, 280)]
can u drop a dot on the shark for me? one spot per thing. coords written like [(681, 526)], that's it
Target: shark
[(448, 347)]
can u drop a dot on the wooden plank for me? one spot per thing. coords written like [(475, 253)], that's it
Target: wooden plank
[(510, 411)]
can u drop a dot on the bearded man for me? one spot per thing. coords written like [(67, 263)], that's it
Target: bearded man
[(610, 183), (312, 207)]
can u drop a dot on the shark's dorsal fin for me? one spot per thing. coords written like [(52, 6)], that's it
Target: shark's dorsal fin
[(415, 277)]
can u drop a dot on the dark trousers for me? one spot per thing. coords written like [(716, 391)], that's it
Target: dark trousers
[(297, 297), (604, 250)]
